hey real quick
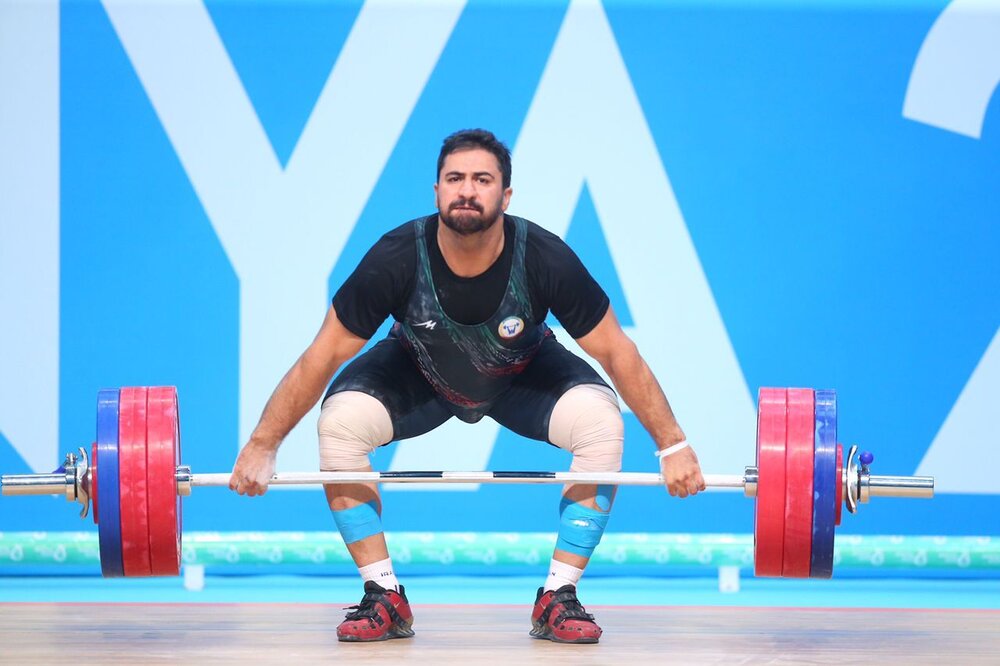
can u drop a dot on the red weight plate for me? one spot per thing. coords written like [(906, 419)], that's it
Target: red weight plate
[(162, 458), (800, 453), (840, 481), (133, 489), (769, 510)]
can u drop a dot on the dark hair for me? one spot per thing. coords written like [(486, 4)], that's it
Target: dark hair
[(477, 138)]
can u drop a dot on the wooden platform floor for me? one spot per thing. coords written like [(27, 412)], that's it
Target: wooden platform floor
[(39, 633)]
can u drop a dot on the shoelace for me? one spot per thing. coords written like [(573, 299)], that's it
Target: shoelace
[(366, 609), (572, 609)]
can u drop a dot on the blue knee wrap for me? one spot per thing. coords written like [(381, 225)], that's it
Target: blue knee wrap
[(358, 522), (580, 527)]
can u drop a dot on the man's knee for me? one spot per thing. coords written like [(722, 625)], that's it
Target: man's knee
[(351, 425), (587, 421)]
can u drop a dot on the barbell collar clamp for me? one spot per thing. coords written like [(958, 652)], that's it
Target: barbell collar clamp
[(81, 480), (750, 478), (184, 480), (852, 480)]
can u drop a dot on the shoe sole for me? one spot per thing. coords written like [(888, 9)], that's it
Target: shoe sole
[(398, 631), (543, 632)]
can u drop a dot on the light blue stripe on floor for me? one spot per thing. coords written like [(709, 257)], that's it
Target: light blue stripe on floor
[(518, 590)]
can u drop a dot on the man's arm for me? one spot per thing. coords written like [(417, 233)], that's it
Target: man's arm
[(608, 344), (295, 395)]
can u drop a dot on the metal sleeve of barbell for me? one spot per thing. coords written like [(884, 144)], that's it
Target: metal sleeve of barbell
[(33, 484), (901, 486), (610, 478)]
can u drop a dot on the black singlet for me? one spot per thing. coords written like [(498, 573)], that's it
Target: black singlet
[(384, 280)]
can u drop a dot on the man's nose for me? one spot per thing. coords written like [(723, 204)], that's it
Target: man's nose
[(467, 189)]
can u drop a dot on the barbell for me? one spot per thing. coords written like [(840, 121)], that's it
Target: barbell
[(133, 477)]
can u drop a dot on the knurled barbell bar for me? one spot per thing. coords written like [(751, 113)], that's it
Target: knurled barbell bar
[(134, 478)]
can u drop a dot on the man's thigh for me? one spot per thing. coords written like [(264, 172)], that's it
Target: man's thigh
[(527, 405), (387, 373)]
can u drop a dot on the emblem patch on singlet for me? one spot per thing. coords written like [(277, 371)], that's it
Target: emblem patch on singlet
[(510, 327)]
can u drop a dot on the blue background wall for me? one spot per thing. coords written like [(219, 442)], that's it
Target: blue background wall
[(845, 245)]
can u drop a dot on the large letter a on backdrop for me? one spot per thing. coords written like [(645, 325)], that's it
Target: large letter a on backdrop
[(585, 125), (955, 76)]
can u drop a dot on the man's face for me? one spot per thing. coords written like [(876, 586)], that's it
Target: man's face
[(470, 194)]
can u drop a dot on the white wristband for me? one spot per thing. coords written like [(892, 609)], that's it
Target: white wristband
[(671, 450)]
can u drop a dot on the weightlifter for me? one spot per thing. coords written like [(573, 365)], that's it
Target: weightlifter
[(469, 289)]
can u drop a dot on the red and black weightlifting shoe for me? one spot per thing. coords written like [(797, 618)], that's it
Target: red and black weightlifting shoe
[(382, 614), (558, 616)]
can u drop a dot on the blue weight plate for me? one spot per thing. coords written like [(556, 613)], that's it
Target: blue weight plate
[(109, 525), (824, 485)]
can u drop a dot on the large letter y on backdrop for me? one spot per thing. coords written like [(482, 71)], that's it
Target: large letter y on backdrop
[(29, 230), (283, 230)]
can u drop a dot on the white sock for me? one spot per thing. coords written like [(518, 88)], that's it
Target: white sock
[(561, 574), (381, 572)]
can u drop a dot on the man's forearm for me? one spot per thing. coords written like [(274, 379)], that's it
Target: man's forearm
[(295, 395), (642, 393)]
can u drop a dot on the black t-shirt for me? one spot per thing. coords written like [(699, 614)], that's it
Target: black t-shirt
[(557, 281)]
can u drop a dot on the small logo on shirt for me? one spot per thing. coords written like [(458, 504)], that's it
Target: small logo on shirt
[(429, 324), (510, 327)]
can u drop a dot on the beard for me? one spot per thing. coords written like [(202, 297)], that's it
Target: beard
[(467, 222)]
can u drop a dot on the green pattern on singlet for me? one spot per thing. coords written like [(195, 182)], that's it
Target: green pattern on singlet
[(471, 364)]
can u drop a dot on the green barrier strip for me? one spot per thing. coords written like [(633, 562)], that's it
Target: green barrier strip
[(509, 549)]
